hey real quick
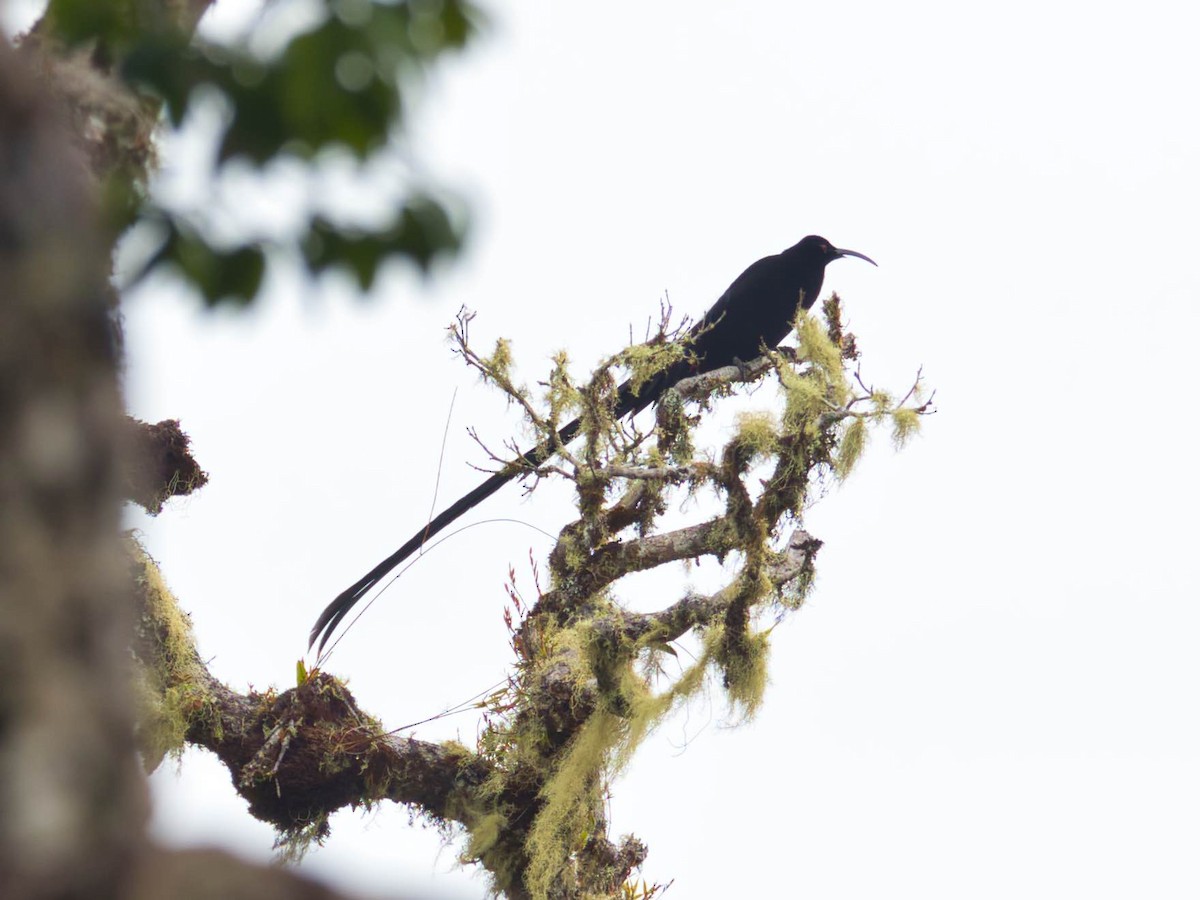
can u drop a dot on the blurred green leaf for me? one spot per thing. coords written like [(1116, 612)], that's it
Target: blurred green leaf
[(165, 64), (221, 275), (109, 21), (298, 104), (341, 84), (422, 232)]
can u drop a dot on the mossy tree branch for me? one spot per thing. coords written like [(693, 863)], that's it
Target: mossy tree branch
[(584, 690)]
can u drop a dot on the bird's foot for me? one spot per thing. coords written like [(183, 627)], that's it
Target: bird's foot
[(743, 368)]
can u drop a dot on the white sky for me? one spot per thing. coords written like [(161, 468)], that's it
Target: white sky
[(992, 690)]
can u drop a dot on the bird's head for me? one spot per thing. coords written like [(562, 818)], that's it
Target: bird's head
[(816, 246)]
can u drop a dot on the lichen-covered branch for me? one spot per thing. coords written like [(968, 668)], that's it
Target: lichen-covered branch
[(296, 755), (581, 699), (587, 685), (698, 610)]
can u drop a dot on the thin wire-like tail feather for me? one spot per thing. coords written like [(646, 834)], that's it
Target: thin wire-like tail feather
[(343, 602), (332, 615)]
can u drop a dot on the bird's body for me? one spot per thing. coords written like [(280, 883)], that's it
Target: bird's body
[(755, 312)]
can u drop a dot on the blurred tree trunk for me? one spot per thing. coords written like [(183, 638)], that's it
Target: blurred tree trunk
[(73, 803)]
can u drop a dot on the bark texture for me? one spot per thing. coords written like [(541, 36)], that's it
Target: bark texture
[(72, 803), (159, 464)]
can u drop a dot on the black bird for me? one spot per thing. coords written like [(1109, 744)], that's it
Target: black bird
[(756, 311)]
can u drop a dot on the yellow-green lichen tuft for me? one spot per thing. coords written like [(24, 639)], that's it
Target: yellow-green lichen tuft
[(746, 674), (169, 689), (600, 749), (906, 422), (793, 594), (647, 710), (561, 394), (826, 357), (805, 400), (850, 446), (759, 431), (499, 364), (647, 360), (572, 797), (881, 401), (161, 727), (485, 832)]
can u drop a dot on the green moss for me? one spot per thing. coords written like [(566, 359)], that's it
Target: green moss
[(675, 429), (647, 360), (161, 727), (293, 844), (826, 357), (746, 673), (484, 833), (850, 446), (499, 364), (601, 748), (169, 686), (647, 709), (561, 394), (805, 400), (626, 712), (906, 422), (759, 431), (571, 797), (176, 638), (793, 594)]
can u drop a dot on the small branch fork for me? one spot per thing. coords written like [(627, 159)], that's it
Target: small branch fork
[(699, 610)]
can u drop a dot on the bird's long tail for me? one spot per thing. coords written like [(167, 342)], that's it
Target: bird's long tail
[(333, 614), (627, 403)]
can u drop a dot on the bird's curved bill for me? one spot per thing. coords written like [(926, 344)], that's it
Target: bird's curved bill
[(842, 252)]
